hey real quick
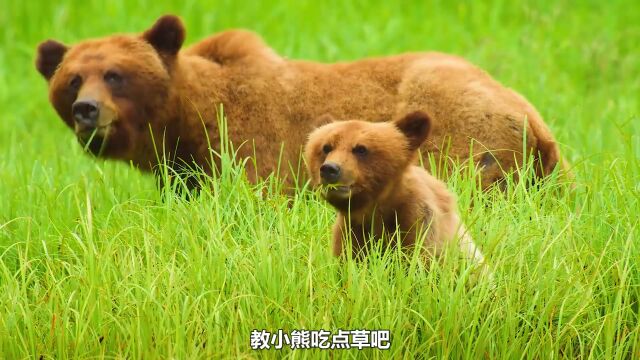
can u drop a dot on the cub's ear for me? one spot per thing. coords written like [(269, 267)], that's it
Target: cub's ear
[(166, 35), (323, 120), (415, 126), (49, 56)]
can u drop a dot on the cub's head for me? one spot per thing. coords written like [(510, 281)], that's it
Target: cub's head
[(108, 90), (354, 161)]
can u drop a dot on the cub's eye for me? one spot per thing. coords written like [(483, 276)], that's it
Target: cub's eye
[(359, 150), (75, 82), (327, 148), (112, 78)]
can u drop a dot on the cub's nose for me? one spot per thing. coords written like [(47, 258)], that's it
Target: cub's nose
[(85, 112), (330, 172)]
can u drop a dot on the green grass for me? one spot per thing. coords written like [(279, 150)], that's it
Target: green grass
[(93, 262)]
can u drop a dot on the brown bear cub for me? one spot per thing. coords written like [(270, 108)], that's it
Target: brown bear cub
[(367, 172)]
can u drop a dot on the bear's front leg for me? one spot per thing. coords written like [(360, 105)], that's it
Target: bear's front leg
[(338, 236), (178, 180)]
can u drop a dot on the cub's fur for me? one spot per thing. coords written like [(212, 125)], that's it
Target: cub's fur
[(367, 173)]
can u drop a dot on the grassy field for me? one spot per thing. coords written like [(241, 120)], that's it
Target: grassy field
[(95, 263)]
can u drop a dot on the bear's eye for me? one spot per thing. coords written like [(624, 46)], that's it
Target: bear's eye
[(327, 148), (112, 78), (75, 82), (360, 150)]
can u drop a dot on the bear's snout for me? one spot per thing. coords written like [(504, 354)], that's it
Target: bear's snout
[(330, 173), (93, 118), (86, 114)]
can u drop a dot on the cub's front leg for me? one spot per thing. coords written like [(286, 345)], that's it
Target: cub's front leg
[(338, 236), (353, 235)]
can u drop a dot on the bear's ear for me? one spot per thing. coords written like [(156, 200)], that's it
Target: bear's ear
[(50, 54), (415, 126), (166, 35), (323, 120)]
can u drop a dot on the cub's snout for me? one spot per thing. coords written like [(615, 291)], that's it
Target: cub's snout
[(330, 173)]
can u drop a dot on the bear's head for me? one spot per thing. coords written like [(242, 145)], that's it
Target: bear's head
[(108, 90), (355, 161)]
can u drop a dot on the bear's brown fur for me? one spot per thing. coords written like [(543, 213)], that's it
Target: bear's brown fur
[(366, 171), (139, 95)]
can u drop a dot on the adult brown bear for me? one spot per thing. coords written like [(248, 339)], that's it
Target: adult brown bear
[(132, 96)]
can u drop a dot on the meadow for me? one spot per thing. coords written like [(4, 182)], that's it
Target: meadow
[(96, 262)]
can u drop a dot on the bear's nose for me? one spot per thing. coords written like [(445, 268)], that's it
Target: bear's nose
[(330, 172), (86, 112)]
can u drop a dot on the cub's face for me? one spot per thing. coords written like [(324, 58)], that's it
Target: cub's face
[(354, 161), (109, 90)]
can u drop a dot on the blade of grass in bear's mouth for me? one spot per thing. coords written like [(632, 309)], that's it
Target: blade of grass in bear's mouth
[(340, 188), (95, 144), (87, 143)]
